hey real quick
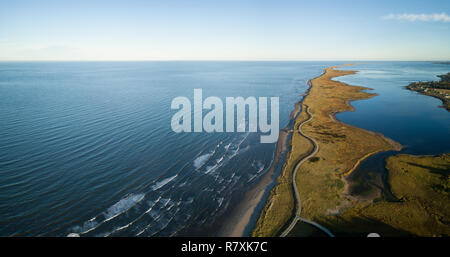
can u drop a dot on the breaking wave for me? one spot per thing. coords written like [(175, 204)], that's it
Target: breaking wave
[(201, 160), (115, 210), (122, 206), (162, 183)]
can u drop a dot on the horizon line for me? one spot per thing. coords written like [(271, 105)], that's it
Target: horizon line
[(229, 60)]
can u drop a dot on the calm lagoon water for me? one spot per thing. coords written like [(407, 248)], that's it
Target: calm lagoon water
[(412, 119), (87, 147)]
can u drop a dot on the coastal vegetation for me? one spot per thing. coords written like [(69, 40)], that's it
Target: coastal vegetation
[(281, 203), (419, 185), (422, 185), (439, 89), (321, 181), (322, 185)]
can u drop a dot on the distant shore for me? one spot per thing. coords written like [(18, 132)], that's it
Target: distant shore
[(438, 89)]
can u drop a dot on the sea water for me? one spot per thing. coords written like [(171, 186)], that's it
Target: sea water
[(87, 147)]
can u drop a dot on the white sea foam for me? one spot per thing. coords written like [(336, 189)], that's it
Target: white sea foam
[(115, 210), (86, 227), (227, 146), (259, 166), (163, 182), (201, 160), (231, 150), (122, 206), (211, 168), (151, 204), (104, 234), (237, 147)]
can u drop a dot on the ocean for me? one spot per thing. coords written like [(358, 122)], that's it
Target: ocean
[(87, 147)]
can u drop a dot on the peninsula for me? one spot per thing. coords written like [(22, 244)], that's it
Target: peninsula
[(312, 186)]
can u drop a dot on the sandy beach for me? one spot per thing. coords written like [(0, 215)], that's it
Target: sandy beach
[(235, 225)]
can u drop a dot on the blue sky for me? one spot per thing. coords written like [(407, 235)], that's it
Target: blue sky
[(224, 30)]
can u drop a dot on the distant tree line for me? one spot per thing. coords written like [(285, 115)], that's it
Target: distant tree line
[(444, 83), (445, 77)]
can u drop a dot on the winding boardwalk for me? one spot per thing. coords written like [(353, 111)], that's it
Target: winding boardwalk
[(297, 195)]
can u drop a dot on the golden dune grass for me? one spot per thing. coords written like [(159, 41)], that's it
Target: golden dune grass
[(341, 146)]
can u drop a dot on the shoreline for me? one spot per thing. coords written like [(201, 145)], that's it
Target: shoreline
[(437, 89), (241, 215), (236, 224)]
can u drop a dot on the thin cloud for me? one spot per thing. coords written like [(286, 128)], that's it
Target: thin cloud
[(436, 17)]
